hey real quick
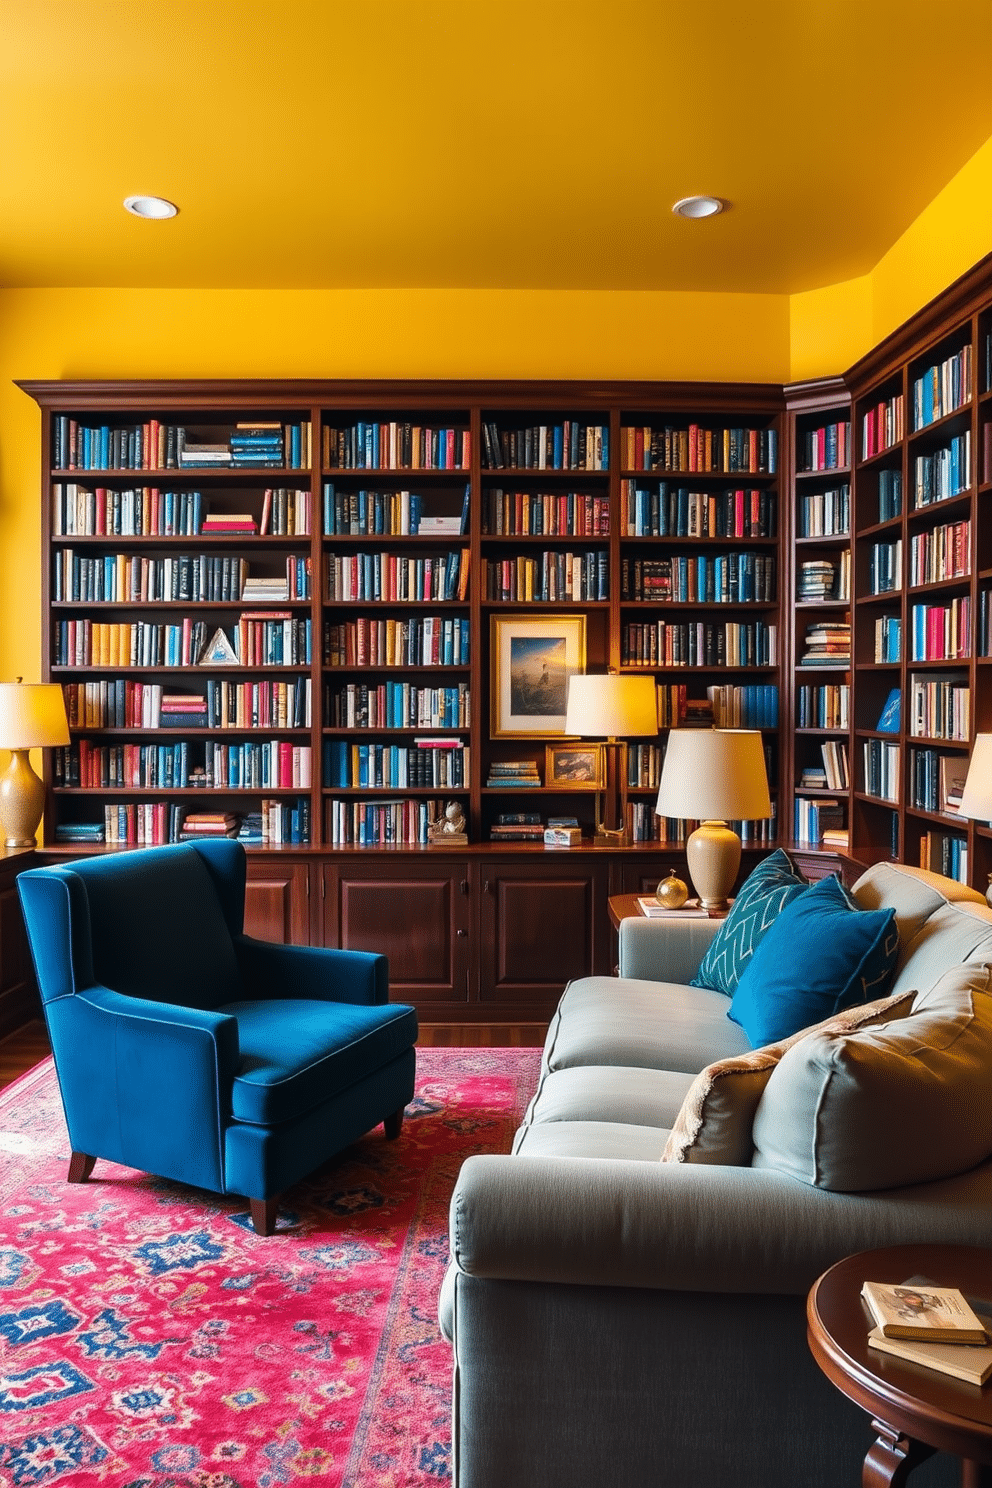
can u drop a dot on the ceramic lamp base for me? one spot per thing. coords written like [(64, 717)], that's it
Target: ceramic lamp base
[(714, 855), (22, 801)]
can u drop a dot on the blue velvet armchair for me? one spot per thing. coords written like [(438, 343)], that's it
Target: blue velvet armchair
[(187, 1049)]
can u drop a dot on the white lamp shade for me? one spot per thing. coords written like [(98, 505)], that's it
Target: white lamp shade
[(714, 775), (32, 715), (976, 800), (612, 706)]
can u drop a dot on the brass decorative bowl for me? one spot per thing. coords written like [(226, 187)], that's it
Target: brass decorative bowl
[(671, 893)]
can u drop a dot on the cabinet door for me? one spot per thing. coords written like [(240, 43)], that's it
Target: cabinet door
[(416, 914), (543, 924), (19, 999), (277, 901)]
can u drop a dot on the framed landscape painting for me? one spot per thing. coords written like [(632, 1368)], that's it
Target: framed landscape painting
[(530, 664)]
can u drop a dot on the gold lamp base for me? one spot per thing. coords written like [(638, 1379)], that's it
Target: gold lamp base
[(714, 855), (22, 801)]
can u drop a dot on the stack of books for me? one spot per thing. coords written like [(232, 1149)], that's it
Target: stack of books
[(197, 824), (266, 589), (183, 710), (513, 775), (517, 826), (79, 832), (828, 644), (934, 1326), (229, 522), (257, 445), (204, 454), (815, 580)]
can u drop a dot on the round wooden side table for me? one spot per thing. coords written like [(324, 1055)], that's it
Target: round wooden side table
[(915, 1411)]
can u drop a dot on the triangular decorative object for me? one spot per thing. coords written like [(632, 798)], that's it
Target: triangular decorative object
[(218, 651)]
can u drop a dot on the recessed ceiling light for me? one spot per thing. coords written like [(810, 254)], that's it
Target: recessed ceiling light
[(698, 206), (154, 207)]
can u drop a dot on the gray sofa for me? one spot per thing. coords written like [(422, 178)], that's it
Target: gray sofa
[(620, 1320)]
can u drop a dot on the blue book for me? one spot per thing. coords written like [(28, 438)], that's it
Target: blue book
[(889, 721)]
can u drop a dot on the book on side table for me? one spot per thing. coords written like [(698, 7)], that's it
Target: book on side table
[(936, 1327)]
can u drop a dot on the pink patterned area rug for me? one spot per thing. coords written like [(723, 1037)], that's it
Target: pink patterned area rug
[(150, 1339)]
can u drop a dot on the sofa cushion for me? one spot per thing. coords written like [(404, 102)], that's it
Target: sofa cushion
[(763, 895), (954, 932), (905, 1102), (296, 1052), (641, 1097), (602, 1139), (716, 1119), (640, 1025), (822, 954)]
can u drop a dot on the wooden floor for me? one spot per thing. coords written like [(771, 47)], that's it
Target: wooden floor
[(20, 1050)]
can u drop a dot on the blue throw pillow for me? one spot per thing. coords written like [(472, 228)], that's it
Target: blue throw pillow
[(762, 896), (822, 954)]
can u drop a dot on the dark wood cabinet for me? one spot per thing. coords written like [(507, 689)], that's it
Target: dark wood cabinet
[(277, 900), (18, 991), (542, 923), (417, 913)]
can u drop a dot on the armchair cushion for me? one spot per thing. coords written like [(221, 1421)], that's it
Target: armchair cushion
[(157, 928), (760, 900), (294, 1052)]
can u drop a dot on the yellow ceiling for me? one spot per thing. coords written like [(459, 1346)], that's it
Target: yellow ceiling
[(479, 143)]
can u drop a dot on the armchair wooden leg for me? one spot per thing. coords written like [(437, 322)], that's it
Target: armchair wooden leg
[(394, 1124), (80, 1167), (263, 1215)]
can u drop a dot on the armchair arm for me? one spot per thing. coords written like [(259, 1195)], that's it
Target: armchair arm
[(688, 1227), (269, 970), (147, 1084), (664, 950)]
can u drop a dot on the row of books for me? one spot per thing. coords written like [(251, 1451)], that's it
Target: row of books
[(881, 769), (885, 567), (727, 578), (882, 426), (735, 644), (942, 388), (544, 514), (551, 577), (814, 816), (940, 708), (79, 511), (820, 579), (945, 853), (825, 448), (985, 622), (944, 473), (828, 644), (431, 641), (644, 825), (154, 823), (888, 639), (823, 706), (259, 640), (936, 780), (675, 511), (941, 632), (943, 552), (396, 577), (889, 494), (753, 706), (124, 578), (424, 763), (570, 445), (351, 823), (695, 448), (394, 445), (397, 705), (386, 513), (836, 771), (273, 765), (826, 513), (116, 703)]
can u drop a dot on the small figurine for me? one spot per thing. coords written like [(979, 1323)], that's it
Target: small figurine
[(449, 830)]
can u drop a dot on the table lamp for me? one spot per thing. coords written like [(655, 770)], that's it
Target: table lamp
[(714, 776), (976, 799), (607, 705), (32, 716)]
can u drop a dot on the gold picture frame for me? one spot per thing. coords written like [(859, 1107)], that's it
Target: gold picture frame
[(529, 666), (575, 767)]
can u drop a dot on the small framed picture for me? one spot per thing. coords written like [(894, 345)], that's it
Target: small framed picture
[(575, 767), (531, 662)]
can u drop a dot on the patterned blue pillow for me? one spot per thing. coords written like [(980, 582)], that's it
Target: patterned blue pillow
[(759, 902), (823, 954)]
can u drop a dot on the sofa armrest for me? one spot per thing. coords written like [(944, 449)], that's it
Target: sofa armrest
[(688, 1227), (270, 970), (664, 950)]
